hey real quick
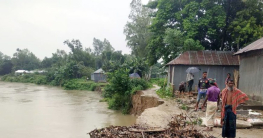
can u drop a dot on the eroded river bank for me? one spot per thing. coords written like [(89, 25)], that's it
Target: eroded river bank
[(32, 111)]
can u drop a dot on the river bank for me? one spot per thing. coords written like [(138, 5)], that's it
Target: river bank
[(67, 84), (160, 116), (156, 115)]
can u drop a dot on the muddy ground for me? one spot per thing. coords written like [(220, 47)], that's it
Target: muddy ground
[(159, 115)]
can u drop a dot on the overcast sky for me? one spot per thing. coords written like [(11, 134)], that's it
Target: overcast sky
[(42, 25)]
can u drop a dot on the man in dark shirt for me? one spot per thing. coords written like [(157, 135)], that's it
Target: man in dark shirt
[(203, 85)]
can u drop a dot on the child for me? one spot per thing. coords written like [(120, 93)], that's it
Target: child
[(182, 87)]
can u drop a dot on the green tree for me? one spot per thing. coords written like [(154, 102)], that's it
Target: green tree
[(77, 53), (163, 18), (213, 24), (58, 59), (192, 45), (136, 30), (248, 24), (24, 59), (5, 64), (112, 60), (100, 46), (173, 40), (102, 52)]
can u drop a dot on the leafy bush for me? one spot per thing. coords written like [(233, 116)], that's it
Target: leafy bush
[(93, 86), (121, 88), (154, 80), (184, 107), (162, 83), (164, 92), (79, 84), (140, 82), (41, 80)]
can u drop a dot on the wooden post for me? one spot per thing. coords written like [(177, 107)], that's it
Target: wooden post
[(173, 89), (236, 77)]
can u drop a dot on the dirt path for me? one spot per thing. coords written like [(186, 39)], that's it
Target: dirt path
[(158, 116), (151, 92)]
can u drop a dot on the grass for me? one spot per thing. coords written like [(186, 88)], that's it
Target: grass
[(197, 121), (104, 100), (184, 107), (165, 92)]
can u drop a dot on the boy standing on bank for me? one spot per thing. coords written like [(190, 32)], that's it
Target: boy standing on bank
[(203, 85)]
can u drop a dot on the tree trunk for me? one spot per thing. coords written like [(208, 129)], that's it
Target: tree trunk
[(226, 26), (148, 75), (237, 45)]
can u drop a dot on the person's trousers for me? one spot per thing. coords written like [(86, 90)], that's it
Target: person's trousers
[(190, 85), (229, 126)]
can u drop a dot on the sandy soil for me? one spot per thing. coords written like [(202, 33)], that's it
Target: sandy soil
[(144, 100), (161, 115), (158, 116)]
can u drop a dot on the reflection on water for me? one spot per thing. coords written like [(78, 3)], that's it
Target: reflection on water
[(31, 111)]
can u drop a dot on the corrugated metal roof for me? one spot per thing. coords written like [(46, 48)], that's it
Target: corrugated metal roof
[(253, 46), (99, 71), (205, 58)]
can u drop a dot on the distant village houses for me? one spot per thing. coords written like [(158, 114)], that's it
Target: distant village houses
[(21, 72)]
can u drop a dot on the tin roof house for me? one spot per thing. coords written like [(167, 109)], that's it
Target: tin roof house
[(216, 63), (98, 76), (251, 71)]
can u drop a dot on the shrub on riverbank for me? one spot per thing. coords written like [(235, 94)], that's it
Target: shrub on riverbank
[(80, 84), (27, 78), (121, 88), (68, 84), (165, 90)]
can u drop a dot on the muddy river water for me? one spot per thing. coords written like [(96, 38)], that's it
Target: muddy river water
[(32, 111)]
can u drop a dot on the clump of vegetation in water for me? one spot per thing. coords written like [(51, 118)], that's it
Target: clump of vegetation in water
[(121, 88)]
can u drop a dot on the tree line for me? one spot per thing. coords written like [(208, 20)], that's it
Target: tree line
[(79, 62), (166, 28), (162, 29)]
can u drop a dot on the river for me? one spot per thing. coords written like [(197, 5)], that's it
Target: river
[(32, 111)]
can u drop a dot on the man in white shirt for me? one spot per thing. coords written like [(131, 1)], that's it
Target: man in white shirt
[(190, 81)]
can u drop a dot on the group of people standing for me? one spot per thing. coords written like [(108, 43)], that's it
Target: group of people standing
[(231, 98)]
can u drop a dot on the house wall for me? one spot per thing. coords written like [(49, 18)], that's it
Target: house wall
[(217, 72), (99, 77), (251, 71), (92, 76)]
